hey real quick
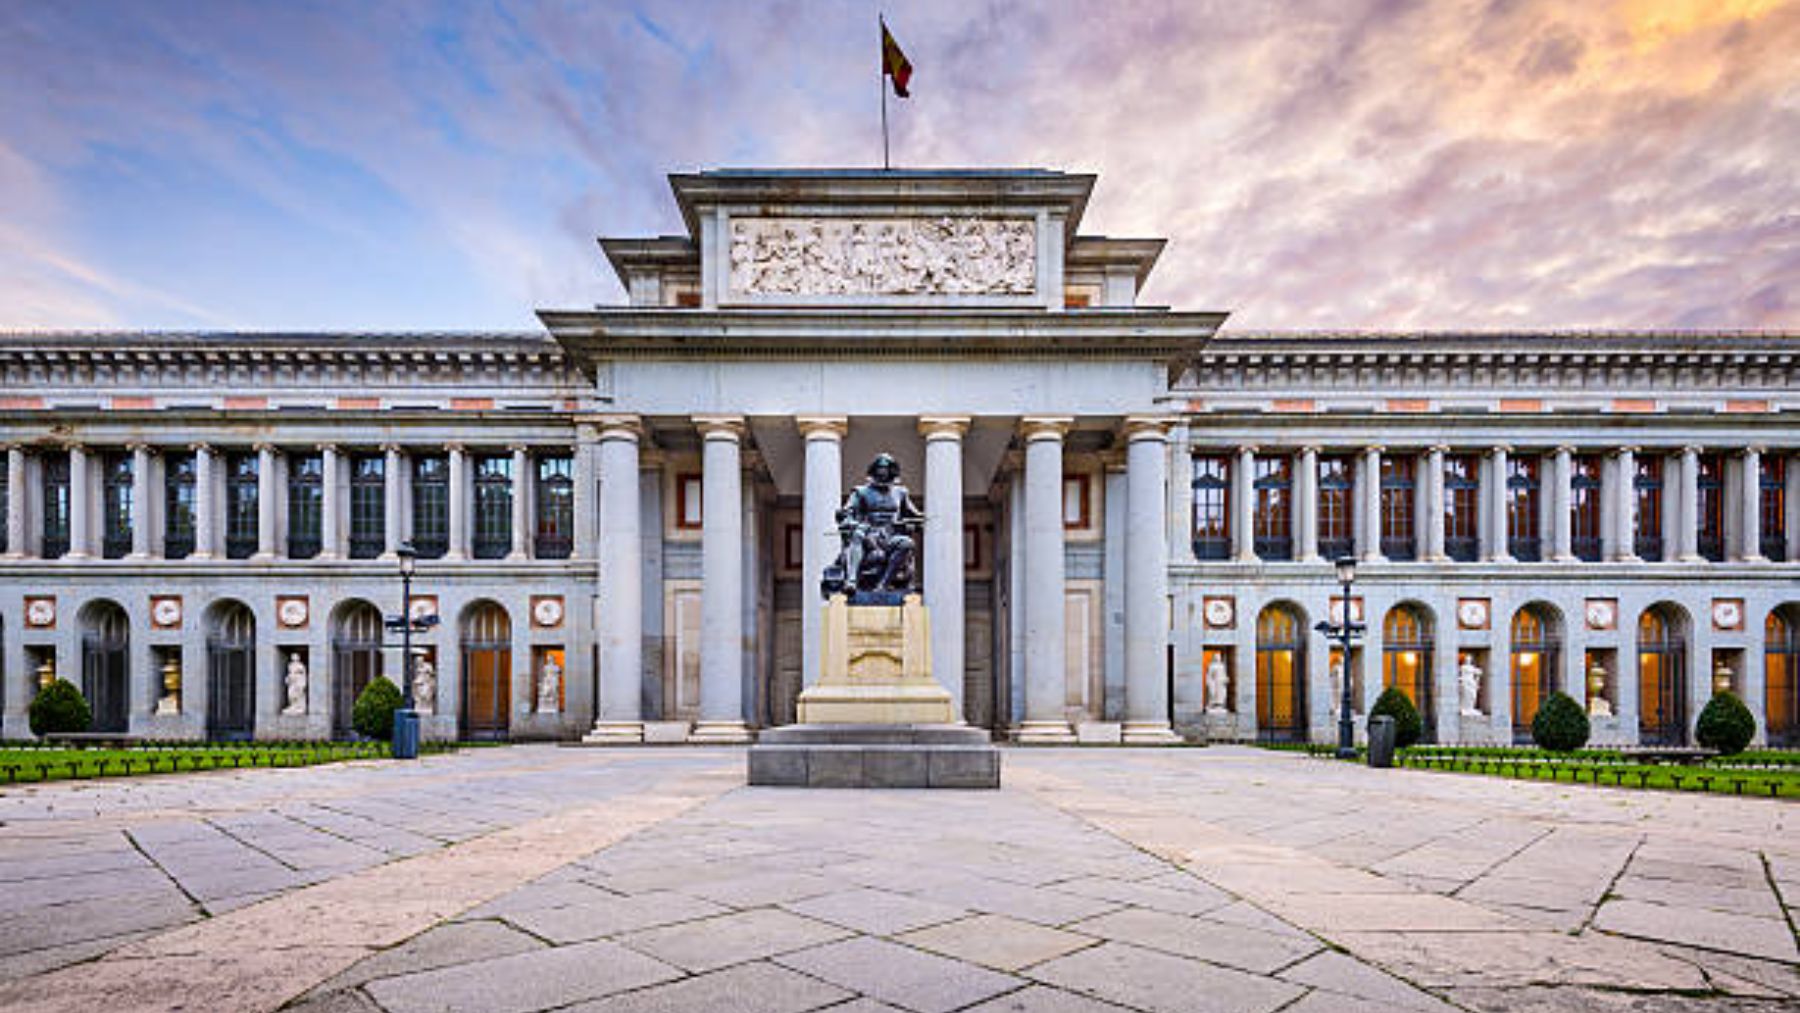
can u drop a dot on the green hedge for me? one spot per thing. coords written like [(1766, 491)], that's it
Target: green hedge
[(373, 714), (60, 709)]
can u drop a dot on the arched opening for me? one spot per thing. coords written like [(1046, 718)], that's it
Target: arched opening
[(355, 659), (1662, 676), (106, 665), (486, 671), (1781, 655), (231, 671), (1536, 658), (1406, 652), (1280, 674)]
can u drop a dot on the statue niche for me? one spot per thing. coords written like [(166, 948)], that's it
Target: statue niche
[(875, 565)]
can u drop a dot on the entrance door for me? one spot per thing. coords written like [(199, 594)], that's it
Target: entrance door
[(1280, 676), (231, 673), (355, 661), (487, 672), (105, 670), (1662, 678)]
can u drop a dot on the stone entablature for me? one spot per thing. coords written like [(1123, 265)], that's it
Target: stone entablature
[(834, 256)]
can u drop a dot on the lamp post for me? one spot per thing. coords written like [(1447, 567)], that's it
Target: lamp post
[(406, 719), (1346, 574)]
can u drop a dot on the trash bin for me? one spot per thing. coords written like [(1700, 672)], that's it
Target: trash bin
[(1381, 741)]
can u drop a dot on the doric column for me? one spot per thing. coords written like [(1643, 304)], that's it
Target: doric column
[(394, 523), (331, 536), (818, 528), (206, 503), (265, 501), (1243, 506), (1497, 549), (1046, 653), (1562, 474), (459, 502), (521, 517), (1687, 517), (79, 546), (1369, 497), (140, 501), (943, 549), (1306, 505), (1434, 504), (618, 715), (15, 502), (1180, 513), (1624, 499), (1750, 506), (722, 573), (1146, 583)]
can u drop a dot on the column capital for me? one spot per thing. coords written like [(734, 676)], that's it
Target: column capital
[(618, 427), (720, 427), (202, 447), (263, 448), (455, 447), (1305, 448), (1755, 448), (1692, 450), (1500, 448), (1146, 427), (1113, 459), (393, 448), (139, 445), (326, 448), (1044, 427), (822, 427), (1374, 448), (1622, 451), (1440, 449), (1253, 449), (1566, 448), (518, 448), (73, 446), (943, 427)]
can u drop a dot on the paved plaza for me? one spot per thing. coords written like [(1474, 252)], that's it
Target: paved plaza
[(538, 877)]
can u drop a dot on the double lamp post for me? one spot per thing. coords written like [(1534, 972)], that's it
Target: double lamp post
[(406, 719), (1345, 630)]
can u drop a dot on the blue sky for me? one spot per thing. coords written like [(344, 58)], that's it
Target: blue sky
[(415, 164)]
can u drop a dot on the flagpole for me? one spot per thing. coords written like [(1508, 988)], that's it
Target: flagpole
[(881, 86)]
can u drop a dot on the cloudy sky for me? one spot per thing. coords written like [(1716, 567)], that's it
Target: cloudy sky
[(414, 164)]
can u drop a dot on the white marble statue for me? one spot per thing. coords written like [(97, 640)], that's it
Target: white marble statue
[(1337, 691), (1218, 684), (296, 685), (1468, 680), (549, 687), (424, 686)]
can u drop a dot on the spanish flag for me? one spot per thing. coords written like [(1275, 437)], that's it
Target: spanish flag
[(894, 63)]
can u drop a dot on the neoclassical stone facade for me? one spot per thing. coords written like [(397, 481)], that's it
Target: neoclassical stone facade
[(623, 519)]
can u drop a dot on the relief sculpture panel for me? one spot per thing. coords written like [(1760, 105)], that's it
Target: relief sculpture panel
[(884, 256)]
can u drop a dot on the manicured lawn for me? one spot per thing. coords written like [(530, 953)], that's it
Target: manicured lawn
[(36, 763), (1760, 773)]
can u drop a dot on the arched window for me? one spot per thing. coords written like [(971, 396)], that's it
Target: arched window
[(486, 671), (106, 665), (355, 659), (1662, 676), (1781, 653), (1406, 652), (231, 672), (1536, 658), (1280, 675)]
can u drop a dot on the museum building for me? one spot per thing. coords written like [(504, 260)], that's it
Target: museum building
[(621, 521)]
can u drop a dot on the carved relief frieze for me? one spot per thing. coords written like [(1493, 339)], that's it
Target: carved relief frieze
[(883, 256)]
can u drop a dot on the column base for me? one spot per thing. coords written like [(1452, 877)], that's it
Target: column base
[(1690, 557), (615, 733), (455, 556), (1564, 557), (1758, 558), (135, 556), (719, 733), (1150, 733), (516, 557), (262, 557), (1044, 733), (327, 556), (1627, 558)]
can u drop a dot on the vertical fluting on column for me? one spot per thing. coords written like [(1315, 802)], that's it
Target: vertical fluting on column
[(1750, 507), (460, 493), (1687, 518), (265, 501), (1562, 475), (140, 501), (1181, 494), (79, 503), (1146, 583), (393, 520), (206, 503), (943, 550), (1046, 652), (1243, 506), (1624, 495), (618, 714), (818, 528), (1434, 505), (1496, 548), (722, 573), (15, 502), (331, 531), (1306, 505), (1369, 495), (521, 503)]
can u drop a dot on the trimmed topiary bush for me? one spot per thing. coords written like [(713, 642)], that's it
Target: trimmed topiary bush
[(1408, 727), (60, 707), (1560, 724), (373, 715), (1725, 724)]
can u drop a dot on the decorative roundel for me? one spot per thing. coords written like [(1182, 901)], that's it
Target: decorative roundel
[(166, 612), (547, 611), (1601, 615), (40, 612), (1727, 614), (1218, 612), (1472, 612), (292, 612)]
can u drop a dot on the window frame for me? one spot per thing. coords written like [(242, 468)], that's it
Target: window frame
[(116, 520), (553, 520), (243, 492), (181, 504), (1273, 522), (1586, 493), (1524, 508), (492, 514), (305, 505), (1211, 501), (1462, 507), (368, 505), (1336, 511), (430, 482), (1398, 523)]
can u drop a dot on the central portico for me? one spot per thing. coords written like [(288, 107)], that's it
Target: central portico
[(811, 319)]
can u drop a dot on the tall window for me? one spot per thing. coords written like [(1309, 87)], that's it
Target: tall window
[(1584, 507), (1712, 507), (240, 505), (1536, 650), (1337, 489), (306, 505), (431, 505), (1462, 507), (115, 505), (555, 507), (1781, 662), (368, 506), (56, 506), (1406, 650), (178, 506), (1647, 542), (493, 506), (1398, 501), (1274, 531), (1524, 540), (1212, 507), (1772, 507), (1280, 675)]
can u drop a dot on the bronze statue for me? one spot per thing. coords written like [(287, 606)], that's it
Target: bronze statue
[(876, 562)]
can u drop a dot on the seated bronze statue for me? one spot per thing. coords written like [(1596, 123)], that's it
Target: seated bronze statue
[(876, 562)]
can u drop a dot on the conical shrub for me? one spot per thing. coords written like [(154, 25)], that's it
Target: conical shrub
[(1725, 724), (1409, 728), (373, 714), (1560, 724), (60, 708)]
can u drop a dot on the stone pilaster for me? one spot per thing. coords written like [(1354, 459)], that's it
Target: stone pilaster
[(1750, 505), (392, 498), (140, 502), (1046, 653), (1368, 495), (1435, 506), (1180, 513), (1562, 475), (80, 504), (1306, 505), (331, 492), (1687, 516), (1624, 499), (943, 550), (1243, 506), (206, 503), (265, 502), (1495, 548), (722, 569), (460, 493), (521, 503), (1146, 584)]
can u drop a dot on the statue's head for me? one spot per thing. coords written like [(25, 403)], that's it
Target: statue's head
[(884, 468)]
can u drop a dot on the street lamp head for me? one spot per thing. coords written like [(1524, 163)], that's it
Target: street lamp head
[(1346, 569), (408, 557)]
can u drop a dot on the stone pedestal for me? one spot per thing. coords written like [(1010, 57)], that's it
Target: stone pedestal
[(875, 668)]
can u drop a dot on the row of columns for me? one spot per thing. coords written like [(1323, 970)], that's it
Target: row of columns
[(1618, 506)]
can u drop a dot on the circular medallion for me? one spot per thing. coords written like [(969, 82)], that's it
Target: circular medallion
[(1600, 615), (166, 612), (547, 611), (1472, 613), (40, 612), (1727, 615), (292, 612), (1218, 612)]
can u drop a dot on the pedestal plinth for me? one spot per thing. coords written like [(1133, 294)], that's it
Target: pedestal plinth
[(875, 668)]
